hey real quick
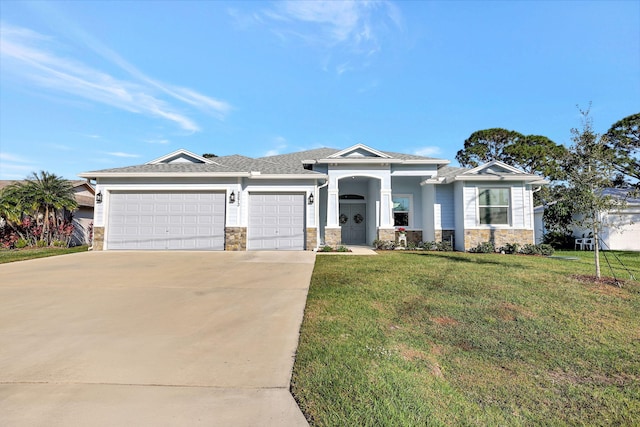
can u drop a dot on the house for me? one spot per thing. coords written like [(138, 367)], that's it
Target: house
[(82, 217), (620, 229), (303, 200)]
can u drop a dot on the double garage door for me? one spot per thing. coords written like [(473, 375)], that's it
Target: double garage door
[(171, 220), (166, 220)]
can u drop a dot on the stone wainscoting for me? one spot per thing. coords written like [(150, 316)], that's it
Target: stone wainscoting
[(98, 238), (312, 238), (235, 239), (499, 237), (332, 236), (387, 234)]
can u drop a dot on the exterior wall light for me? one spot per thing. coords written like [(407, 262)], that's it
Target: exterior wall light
[(311, 198), (232, 197), (99, 197)]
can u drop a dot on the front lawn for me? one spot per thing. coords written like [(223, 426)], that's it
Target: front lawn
[(408, 338), (11, 255)]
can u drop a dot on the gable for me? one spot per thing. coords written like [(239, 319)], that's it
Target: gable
[(359, 151), (180, 156)]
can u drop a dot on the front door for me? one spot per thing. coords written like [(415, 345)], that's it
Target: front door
[(353, 223)]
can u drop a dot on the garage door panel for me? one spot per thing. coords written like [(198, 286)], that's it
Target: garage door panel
[(276, 221), (166, 220)]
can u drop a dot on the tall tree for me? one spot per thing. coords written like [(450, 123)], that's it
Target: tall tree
[(486, 145), (533, 154), (590, 170), (536, 154), (623, 138)]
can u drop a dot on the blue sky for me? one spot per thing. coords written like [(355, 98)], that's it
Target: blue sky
[(94, 85)]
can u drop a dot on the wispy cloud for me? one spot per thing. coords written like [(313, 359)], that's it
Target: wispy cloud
[(12, 166), (33, 56), (427, 151), (121, 154), (355, 27), (157, 141), (280, 143)]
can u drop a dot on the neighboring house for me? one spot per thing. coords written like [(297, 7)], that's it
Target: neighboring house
[(620, 231), (83, 215), (303, 200)]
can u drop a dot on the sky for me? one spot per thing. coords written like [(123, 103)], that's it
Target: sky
[(89, 85)]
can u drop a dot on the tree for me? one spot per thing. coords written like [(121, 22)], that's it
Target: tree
[(209, 155), (623, 138), (590, 169), (486, 145), (43, 194), (534, 154)]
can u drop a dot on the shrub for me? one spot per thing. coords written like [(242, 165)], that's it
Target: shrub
[(21, 243), (484, 248), (510, 248), (386, 245), (41, 244), (325, 248), (558, 240), (545, 249), (444, 246)]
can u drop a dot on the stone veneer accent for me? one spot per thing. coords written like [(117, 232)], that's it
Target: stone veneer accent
[(332, 236), (445, 236), (98, 238), (387, 234), (499, 237), (312, 238), (235, 239)]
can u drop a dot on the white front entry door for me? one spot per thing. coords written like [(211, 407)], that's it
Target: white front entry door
[(353, 222)]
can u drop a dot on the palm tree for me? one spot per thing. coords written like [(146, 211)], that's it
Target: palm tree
[(41, 194)]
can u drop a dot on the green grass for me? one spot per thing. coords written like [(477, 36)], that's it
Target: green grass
[(12, 255), (409, 338)]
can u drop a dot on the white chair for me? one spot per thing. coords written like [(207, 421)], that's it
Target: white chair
[(579, 243), (588, 243)]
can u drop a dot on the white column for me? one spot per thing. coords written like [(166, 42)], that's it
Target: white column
[(428, 214), (333, 204)]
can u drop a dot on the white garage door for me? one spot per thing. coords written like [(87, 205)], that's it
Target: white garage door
[(276, 221), (166, 220), (626, 236)]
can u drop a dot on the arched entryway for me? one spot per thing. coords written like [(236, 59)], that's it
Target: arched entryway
[(353, 219)]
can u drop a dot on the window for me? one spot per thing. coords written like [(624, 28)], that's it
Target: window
[(401, 210), (493, 205)]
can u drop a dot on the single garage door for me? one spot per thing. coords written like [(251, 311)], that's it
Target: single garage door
[(166, 220), (626, 236), (276, 221)]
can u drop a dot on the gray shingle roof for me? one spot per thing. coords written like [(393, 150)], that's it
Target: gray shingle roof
[(450, 171), (282, 164)]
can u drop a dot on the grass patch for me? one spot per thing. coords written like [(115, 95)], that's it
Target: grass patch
[(410, 338), (12, 255)]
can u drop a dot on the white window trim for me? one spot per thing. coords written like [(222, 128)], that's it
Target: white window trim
[(509, 223), (410, 211)]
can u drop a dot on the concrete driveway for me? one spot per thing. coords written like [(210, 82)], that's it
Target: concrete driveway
[(151, 338)]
